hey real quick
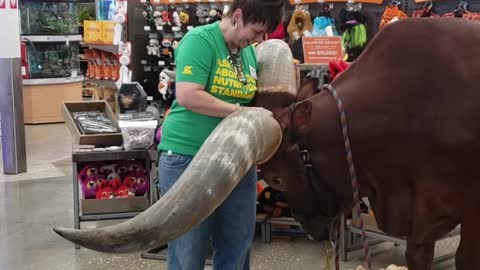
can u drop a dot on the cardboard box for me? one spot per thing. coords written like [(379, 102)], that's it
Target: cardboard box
[(114, 205), (92, 31), (108, 31), (107, 139)]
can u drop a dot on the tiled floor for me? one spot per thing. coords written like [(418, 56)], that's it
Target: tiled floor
[(32, 203)]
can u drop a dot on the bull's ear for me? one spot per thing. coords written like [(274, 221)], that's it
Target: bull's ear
[(308, 89), (301, 117)]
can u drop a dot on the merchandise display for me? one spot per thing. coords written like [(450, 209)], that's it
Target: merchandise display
[(94, 122), (131, 98), (122, 179), (102, 65), (165, 24), (138, 129), (99, 32)]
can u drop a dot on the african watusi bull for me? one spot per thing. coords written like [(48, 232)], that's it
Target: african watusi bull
[(412, 103), (411, 106)]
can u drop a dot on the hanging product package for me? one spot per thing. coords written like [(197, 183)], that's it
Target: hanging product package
[(138, 130)]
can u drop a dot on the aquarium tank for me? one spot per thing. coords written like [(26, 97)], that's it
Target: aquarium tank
[(53, 60), (49, 17)]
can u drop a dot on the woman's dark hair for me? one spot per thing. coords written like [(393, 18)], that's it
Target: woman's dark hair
[(267, 12)]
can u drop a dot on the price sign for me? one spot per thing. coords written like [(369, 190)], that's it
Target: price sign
[(321, 50)]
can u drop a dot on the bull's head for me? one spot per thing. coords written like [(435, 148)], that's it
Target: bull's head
[(308, 194), (243, 139)]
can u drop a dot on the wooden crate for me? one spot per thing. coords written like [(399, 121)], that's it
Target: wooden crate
[(107, 139)]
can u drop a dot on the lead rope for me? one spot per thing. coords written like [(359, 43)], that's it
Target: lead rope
[(353, 176)]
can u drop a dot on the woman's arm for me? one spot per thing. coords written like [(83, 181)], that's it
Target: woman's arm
[(193, 97)]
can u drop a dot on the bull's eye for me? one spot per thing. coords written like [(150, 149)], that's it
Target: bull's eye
[(277, 181)]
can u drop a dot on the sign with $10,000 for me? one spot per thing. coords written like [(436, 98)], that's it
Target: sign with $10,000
[(321, 50)]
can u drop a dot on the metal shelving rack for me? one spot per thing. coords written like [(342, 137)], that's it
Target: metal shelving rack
[(149, 156)]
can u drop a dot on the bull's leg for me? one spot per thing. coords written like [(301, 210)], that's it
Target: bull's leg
[(419, 256), (468, 252)]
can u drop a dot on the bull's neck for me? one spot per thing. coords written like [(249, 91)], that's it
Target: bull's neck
[(326, 144)]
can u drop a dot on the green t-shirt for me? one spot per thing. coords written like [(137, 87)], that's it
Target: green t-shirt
[(202, 58)]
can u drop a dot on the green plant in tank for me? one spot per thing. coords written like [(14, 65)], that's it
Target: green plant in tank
[(49, 17), (86, 12)]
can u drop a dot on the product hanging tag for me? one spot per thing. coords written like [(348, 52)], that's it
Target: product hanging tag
[(117, 34)]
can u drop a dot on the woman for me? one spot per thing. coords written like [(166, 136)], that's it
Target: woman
[(216, 75)]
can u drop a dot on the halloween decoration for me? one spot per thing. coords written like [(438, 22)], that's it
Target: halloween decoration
[(124, 192), (89, 188), (166, 52), (273, 202), (89, 169), (202, 14), (392, 13), (140, 182), (184, 17), (166, 79), (131, 97), (354, 37), (176, 19), (114, 180), (153, 47), (300, 24), (426, 11), (158, 18), (104, 193)]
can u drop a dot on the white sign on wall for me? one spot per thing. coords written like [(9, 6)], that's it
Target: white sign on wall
[(9, 29)]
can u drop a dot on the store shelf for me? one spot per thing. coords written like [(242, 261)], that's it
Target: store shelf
[(310, 66), (298, 2), (56, 38), (90, 156), (52, 80), (158, 2), (105, 83), (104, 47), (108, 216)]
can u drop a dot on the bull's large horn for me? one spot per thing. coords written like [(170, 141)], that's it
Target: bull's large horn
[(276, 68), (239, 141)]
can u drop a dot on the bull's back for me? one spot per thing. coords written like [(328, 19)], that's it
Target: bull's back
[(413, 99), (419, 77)]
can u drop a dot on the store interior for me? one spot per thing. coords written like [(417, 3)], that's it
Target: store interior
[(81, 56)]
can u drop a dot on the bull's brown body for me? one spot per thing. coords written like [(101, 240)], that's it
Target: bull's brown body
[(412, 102)]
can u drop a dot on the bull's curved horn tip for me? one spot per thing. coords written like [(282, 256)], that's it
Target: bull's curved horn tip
[(62, 231)]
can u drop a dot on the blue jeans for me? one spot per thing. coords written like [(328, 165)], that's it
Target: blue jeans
[(229, 230)]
